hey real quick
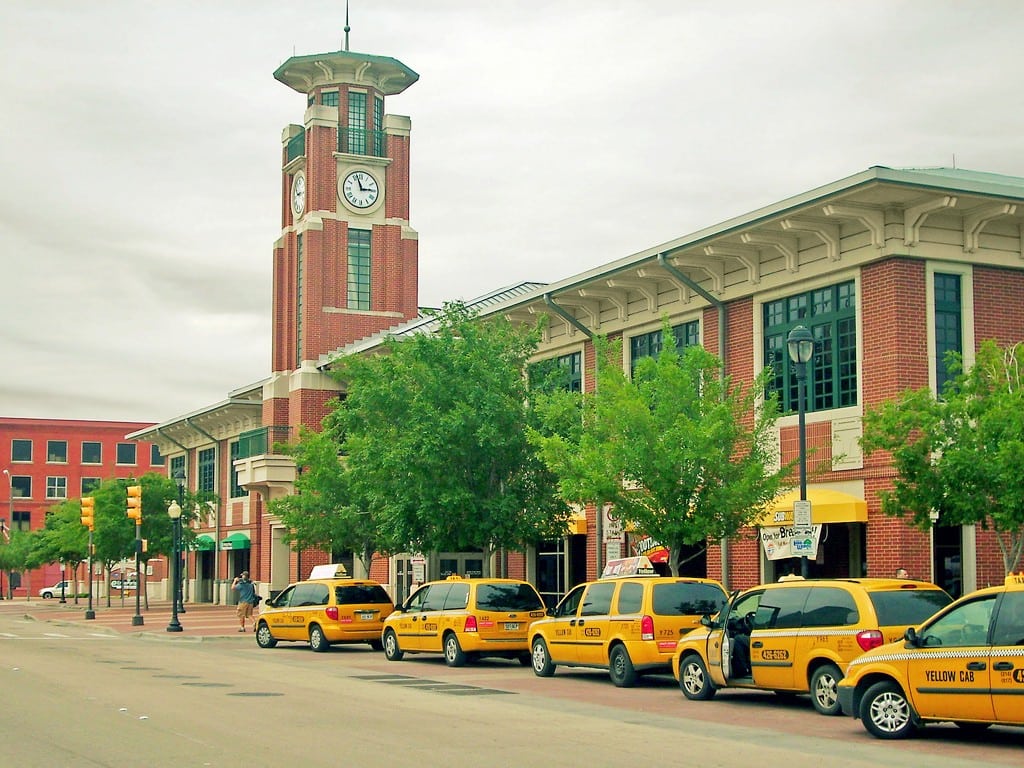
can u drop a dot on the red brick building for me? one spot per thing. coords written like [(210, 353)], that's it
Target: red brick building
[(47, 461)]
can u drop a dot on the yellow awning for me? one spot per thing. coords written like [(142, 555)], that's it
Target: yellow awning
[(826, 507)]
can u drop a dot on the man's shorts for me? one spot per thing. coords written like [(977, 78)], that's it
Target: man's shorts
[(244, 610)]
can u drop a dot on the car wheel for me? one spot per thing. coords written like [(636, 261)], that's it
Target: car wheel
[(885, 711), (620, 668), (824, 690), (377, 645), (317, 641), (453, 655), (694, 681), (542, 665), (47, 595), (263, 637), (391, 650)]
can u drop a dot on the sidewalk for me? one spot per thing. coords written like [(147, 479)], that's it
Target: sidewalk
[(200, 621)]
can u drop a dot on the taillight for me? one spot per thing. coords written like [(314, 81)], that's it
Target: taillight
[(332, 612), (869, 638), (470, 624), (646, 628)]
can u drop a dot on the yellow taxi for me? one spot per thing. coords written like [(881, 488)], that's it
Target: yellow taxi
[(628, 625), (329, 608), (963, 665), (464, 619), (797, 636)]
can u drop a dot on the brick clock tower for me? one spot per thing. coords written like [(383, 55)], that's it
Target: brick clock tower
[(345, 266)]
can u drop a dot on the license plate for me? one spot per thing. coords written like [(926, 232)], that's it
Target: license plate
[(367, 616), (511, 626)]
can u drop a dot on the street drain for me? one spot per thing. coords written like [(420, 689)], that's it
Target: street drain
[(455, 689), (209, 685), (254, 693), (179, 677)]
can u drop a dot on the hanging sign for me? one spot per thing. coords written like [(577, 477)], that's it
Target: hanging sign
[(790, 541)]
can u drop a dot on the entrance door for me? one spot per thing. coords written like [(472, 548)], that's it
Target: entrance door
[(948, 553)]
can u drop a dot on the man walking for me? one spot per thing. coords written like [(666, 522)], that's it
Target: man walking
[(246, 598)]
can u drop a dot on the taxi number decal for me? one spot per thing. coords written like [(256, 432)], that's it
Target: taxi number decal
[(1018, 675), (430, 627), (948, 676), (591, 631), (666, 633), (563, 632), (774, 655)]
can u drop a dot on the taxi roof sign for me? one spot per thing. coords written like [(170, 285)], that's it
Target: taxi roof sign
[(628, 566), (329, 571), (1014, 578)]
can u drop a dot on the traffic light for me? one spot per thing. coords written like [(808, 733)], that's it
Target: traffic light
[(135, 503), (88, 512)]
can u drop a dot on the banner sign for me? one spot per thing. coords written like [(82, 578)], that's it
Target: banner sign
[(790, 541)]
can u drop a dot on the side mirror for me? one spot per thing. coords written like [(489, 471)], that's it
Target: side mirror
[(911, 637), (706, 621)]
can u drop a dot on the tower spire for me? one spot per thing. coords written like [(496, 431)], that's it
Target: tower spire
[(347, 27)]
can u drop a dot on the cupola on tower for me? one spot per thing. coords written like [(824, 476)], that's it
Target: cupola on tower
[(345, 266)]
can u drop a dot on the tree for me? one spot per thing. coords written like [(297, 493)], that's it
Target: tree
[(435, 434), (62, 539), (960, 455), (325, 512), (682, 453)]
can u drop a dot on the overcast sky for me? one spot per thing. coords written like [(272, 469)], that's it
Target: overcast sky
[(140, 153)]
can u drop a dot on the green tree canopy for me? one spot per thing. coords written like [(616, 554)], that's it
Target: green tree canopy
[(435, 434), (960, 455), (683, 454)]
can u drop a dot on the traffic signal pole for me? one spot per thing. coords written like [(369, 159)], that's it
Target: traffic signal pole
[(135, 512)]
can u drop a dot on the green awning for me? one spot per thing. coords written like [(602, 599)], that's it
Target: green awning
[(236, 540), (204, 543)]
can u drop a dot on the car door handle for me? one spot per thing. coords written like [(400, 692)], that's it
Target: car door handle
[(976, 665), (581, 622), (757, 644), (572, 622), (1002, 665)]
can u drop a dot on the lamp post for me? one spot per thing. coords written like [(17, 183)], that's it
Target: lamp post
[(800, 344), (63, 580), (174, 512), (179, 479), (5, 529)]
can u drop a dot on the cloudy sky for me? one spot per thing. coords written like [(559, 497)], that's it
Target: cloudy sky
[(140, 153)]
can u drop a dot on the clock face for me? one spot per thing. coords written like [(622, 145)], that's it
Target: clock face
[(299, 194), (360, 189)]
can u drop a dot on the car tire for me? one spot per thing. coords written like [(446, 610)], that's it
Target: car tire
[(453, 655), (694, 681), (620, 667), (263, 637), (824, 689), (392, 652), (542, 664), (47, 595), (377, 645), (885, 711), (317, 640)]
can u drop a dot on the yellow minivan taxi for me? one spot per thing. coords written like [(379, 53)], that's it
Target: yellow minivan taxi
[(963, 665), (464, 619), (798, 636), (323, 612), (628, 625)]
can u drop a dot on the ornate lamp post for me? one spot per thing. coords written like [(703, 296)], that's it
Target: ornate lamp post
[(174, 512), (179, 479), (800, 344)]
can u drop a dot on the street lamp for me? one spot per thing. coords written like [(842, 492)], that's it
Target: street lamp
[(179, 479), (174, 512), (800, 344), (6, 529)]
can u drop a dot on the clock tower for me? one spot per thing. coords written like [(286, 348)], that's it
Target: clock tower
[(345, 266)]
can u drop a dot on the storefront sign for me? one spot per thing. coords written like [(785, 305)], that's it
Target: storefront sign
[(790, 541)]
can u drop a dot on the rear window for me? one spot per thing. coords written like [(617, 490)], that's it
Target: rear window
[(355, 594), (907, 607), (687, 599), (507, 597)]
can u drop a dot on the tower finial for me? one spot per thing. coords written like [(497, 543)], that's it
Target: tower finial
[(347, 27)]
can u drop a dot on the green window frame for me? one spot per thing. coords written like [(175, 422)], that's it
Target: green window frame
[(563, 372), (207, 465), (378, 126), (358, 269), (356, 127), (236, 489), (948, 324), (650, 344), (329, 98), (831, 315)]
